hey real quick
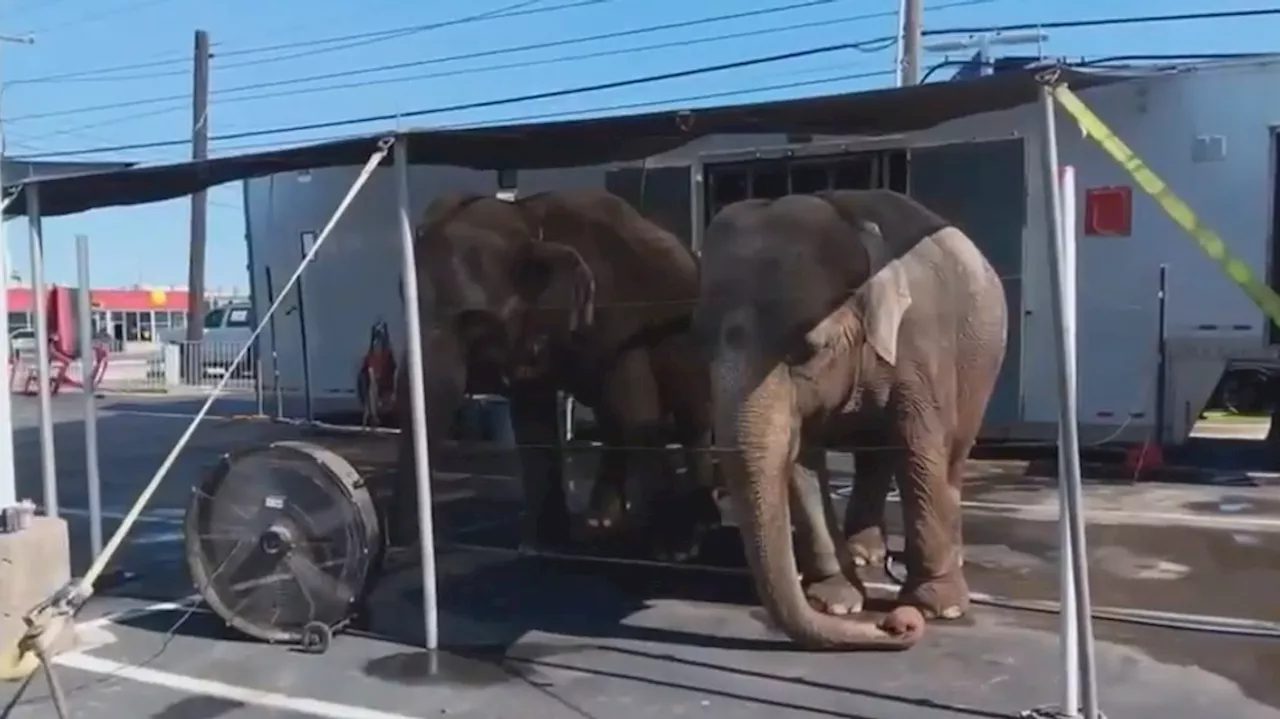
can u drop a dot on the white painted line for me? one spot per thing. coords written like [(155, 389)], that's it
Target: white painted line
[(153, 517), (166, 415), (221, 690)]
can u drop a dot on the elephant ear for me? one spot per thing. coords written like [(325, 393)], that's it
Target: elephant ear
[(554, 276), (878, 306), (882, 302)]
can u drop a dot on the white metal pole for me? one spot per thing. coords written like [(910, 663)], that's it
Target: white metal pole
[(1069, 627), (1068, 412), (40, 318), (88, 380), (8, 477), (417, 398)]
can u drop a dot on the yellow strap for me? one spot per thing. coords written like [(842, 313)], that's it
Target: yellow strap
[(1263, 296)]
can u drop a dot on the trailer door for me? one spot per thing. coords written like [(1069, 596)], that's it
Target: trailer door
[(981, 187), (659, 193)]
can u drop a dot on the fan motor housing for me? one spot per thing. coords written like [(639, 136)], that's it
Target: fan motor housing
[(282, 537)]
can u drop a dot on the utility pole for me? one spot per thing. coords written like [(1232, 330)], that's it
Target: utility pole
[(199, 200), (8, 478), (911, 13)]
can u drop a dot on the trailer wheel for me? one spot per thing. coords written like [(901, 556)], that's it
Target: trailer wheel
[(1245, 392)]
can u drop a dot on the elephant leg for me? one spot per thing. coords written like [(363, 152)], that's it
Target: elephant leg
[(545, 521), (607, 504), (630, 416), (818, 552), (931, 515), (864, 521), (688, 501)]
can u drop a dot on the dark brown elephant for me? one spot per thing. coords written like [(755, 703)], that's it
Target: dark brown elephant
[(564, 291), (860, 319), (609, 298)]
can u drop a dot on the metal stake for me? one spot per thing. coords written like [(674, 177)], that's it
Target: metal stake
[(89, 380), (1085, 672), (417, 398), (40, 317)]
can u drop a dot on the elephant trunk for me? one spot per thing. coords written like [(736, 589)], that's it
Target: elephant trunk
[(763, 431)]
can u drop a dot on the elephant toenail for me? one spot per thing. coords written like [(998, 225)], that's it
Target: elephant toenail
[(859, 561), (952, 612)]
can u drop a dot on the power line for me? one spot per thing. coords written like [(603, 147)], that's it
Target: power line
[(605, 110), (593, 111), (385, 117), (875, 45), (509, 12), (358, 39), (354, 40), (613, 35), (943, 31), (1107, 21), (95, 17)]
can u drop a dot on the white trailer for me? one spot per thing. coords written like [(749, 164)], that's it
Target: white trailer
[(1208, 130)]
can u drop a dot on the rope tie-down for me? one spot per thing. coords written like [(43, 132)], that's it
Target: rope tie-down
[(47, 622)]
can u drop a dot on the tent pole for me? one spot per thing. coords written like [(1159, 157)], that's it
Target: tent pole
[(417, 398), (40, 317), (89, 385), (1063, 286)]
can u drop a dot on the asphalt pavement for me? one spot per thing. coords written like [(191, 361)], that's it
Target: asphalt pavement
[(537, 638)]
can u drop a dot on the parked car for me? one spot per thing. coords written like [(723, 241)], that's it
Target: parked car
[(225, 330), (22, 341)]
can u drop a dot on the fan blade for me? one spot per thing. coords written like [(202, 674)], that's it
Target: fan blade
[(309, 576)]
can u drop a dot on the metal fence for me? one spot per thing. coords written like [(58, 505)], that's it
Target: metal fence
[(163, 368)]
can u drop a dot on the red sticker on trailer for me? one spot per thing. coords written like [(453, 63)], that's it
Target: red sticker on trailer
[(1108, 211)]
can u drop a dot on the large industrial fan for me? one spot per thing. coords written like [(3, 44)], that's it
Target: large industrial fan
[(281, 542)]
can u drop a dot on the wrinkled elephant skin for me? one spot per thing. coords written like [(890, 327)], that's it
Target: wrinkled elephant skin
[(608, 298), (857, 319), (568, 291)]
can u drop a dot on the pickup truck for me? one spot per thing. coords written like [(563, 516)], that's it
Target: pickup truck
[(226, 330)]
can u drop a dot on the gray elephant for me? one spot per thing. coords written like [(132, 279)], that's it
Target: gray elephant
[(608, 298), (856, 319), (567, 291), (464, 245)]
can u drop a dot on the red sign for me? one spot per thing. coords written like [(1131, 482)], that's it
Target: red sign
[(1108, 211)]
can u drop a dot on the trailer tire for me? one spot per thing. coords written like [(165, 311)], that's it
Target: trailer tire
[(1245, 392)]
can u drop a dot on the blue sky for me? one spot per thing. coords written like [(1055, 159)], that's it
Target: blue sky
[(147, 245)]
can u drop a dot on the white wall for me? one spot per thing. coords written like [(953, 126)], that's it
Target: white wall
[(1159, 118), (355, 278)]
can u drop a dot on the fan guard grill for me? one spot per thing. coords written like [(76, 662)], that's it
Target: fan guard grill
[(281, 536)]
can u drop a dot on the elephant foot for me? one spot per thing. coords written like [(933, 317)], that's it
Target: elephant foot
[(607, 511), (943, 598), (686, 519), (548, 530), (867, 547), (835, 595)]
